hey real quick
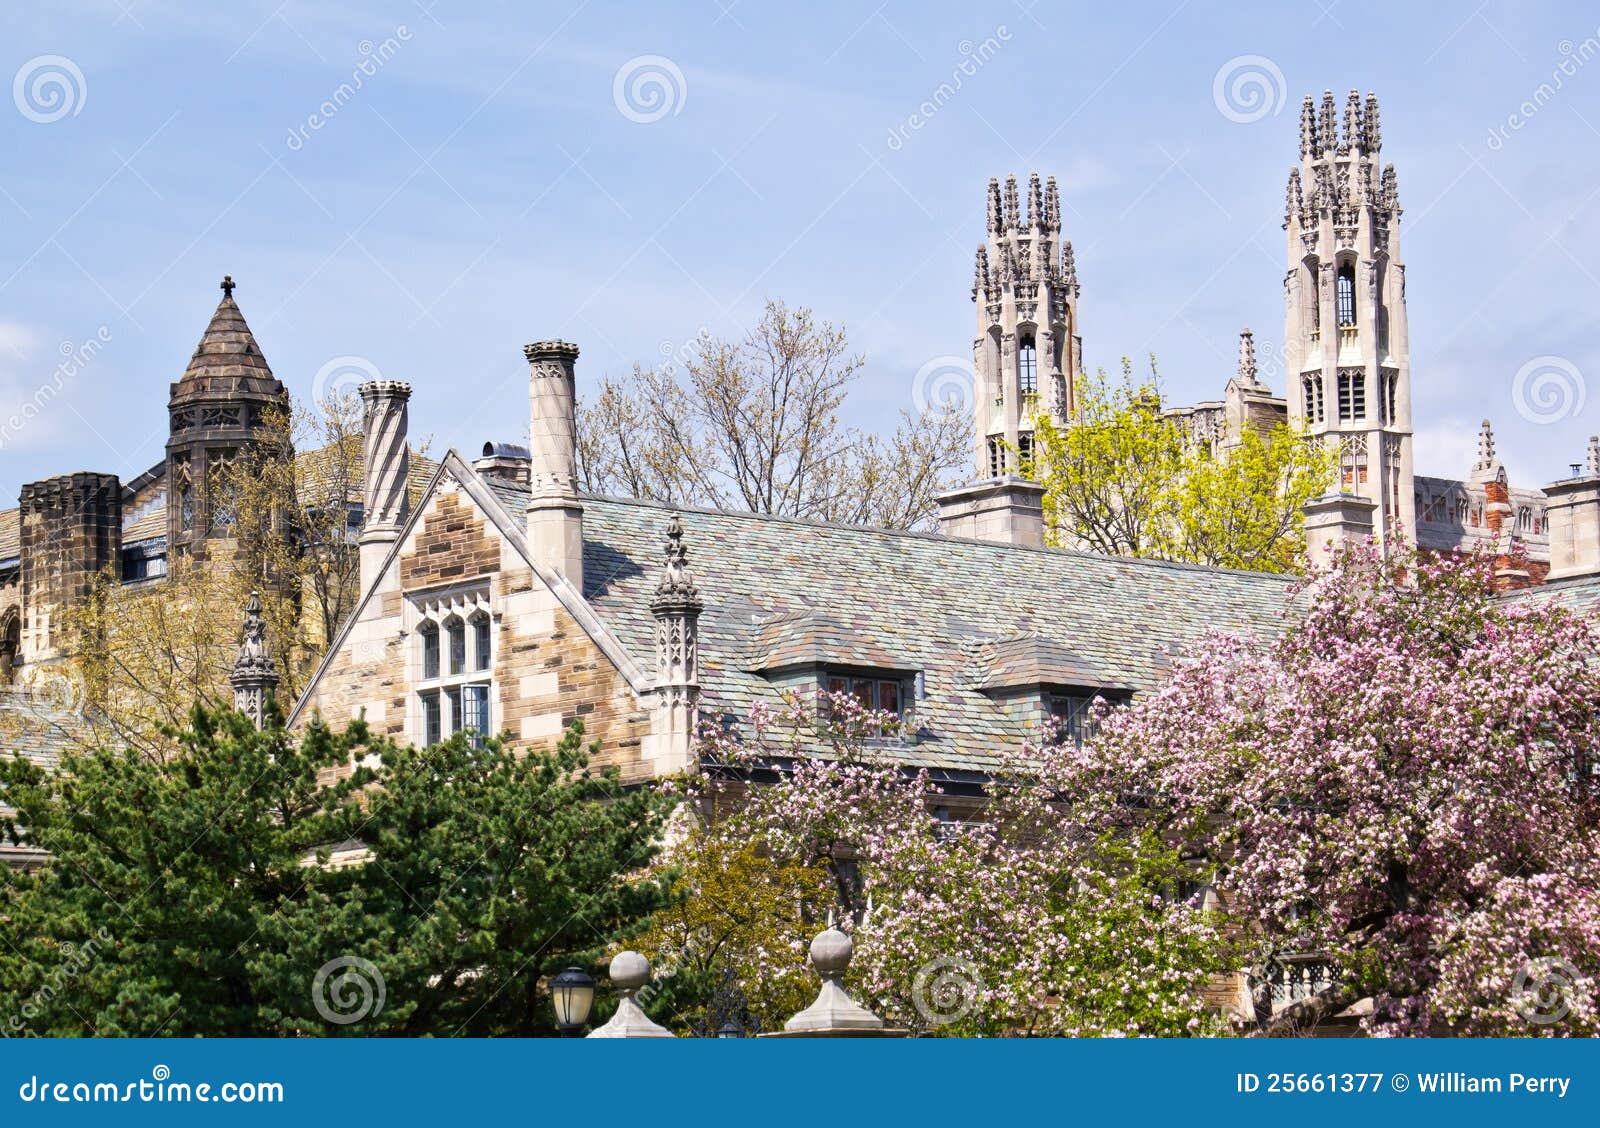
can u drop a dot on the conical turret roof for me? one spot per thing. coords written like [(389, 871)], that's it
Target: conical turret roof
[(227, 348)]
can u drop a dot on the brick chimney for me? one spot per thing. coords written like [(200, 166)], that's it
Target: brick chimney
[(555, 516), (386, 468), (1573, 509)]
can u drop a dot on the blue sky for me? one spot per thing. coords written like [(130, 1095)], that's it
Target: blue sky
[(488, 185)]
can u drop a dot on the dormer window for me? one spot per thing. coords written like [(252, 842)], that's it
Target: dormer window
[(878, 693), (1071, 715)]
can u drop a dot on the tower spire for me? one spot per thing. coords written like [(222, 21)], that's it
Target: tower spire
[(1308, 128), (1013, 213), (1374, 138), (1328, 127), (1052, 207)]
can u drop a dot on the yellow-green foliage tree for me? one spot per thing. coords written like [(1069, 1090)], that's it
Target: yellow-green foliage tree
[(1128, 480)]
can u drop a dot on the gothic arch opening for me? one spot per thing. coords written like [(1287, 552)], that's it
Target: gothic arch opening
[(10, 645)]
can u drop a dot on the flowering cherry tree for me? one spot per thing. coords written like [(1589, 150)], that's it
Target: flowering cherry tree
[(1404, 782), (1020, 922)]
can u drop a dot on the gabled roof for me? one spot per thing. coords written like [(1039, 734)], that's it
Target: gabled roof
[(1033, 660), (919, 599)]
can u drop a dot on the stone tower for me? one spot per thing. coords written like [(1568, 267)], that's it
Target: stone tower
[(215, 411), (1345, 337), (1027, 353), (71, 530)]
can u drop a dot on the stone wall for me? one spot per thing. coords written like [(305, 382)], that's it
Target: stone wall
[(547, 672)]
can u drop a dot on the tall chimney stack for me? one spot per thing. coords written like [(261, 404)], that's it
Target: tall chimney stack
[(385, 503), (555, 517)]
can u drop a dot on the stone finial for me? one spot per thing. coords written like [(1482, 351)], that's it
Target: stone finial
[(996, 223), (227, 285), (1328, 125), (1294, 198), (834, 1014), (1247, 358), (1052, 206), (1035, 201), (1013, 211), (980, 275), (1354, 128), (1069, 265), (254, 676), (1594, 454), (676, 589), (1486, 457), (1391, 191), (630, 972), (1374, 136), (1308, 128)]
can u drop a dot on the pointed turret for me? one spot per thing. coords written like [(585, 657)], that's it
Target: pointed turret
[(1013, 211), (980, 275), (1294, 202), (996, 220), (1069, 266), (1308, 128), (1035, 202), (1374, 138), (215, 415)]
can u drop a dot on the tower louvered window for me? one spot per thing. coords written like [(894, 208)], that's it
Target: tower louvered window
[(1311, 387), (1352, 395)]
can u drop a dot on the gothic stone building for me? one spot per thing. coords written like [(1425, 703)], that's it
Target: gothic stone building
[(505, 600)]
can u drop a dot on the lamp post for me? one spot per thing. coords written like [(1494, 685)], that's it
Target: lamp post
[(730, 1029), (572, 993)]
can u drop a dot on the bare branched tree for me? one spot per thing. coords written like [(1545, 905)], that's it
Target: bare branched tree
[(754, 425)]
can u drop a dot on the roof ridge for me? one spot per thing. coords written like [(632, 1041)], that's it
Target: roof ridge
[(941, 538)]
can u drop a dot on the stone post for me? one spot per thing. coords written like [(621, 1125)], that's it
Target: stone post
[(629, 973), (835, 1014)]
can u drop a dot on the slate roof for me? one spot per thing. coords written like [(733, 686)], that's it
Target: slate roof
[(227, 347), (1581, 593), (10, 534), (36, 727), (777, 588)]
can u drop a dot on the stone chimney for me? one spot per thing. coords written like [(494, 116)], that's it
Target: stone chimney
[(1008, 510), (1333, 521), (555, 516), (1573, 509), (384, 498)]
